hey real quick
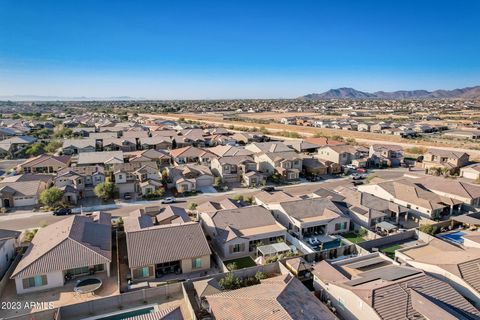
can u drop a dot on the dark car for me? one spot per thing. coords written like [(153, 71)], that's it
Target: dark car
[(268, 189), (62, 212)]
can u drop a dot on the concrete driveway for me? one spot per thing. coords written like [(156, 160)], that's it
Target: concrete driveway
[(208, 189)]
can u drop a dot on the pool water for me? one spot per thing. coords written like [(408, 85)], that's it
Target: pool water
[(128, 314), (332, 244), (455, 237)]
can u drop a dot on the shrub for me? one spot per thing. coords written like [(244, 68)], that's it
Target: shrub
[(428, 228), (51, 197), (192, 206), (106, 190)]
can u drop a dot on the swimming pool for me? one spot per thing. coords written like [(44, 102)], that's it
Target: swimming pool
[(127, 314), (454, 237)]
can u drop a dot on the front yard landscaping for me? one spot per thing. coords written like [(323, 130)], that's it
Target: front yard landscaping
[(354, 237)]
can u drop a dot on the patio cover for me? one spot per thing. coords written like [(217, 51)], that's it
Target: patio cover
[(273, 249), (472, 219), (386, 226)]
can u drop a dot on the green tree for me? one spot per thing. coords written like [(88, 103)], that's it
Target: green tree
[(51, 197), (106, 190), (428, 228), (192, 206), (217, 182), (53, 146), (35, 149)]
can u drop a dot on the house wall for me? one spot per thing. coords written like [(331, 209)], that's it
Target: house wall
[(328, 154), (187, 264), (7, 252), (25, 201), (54, 279)]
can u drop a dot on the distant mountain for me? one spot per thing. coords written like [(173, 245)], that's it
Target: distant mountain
[(349, 93), (58, 98)]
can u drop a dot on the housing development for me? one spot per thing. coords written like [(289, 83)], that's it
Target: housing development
[(128, 214)]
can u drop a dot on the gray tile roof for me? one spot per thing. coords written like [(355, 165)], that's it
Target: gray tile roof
[(279, 298), (76, 241), (165, 243)]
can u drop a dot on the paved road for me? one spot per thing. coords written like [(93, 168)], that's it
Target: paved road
[(28, 220)]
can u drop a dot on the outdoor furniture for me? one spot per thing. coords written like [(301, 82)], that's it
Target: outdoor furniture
[(88, 285)]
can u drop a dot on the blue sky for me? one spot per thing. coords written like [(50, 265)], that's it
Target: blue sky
[(235, 49)]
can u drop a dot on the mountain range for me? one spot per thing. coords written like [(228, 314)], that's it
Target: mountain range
[(350, 93)]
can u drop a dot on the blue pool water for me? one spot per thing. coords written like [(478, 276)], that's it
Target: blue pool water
[(332, 244), (455, 237), (128, 314)]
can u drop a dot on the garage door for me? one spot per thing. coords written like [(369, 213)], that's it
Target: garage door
[(470, 175), (204, 181)]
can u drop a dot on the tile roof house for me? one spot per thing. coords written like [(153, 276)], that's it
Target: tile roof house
[(440, 158), (411, 194), (177, 245), (372, 287), (76, 146), (471, 172), (457, 265), (191, 155), (21, 193), (210, 207), (367, 210), (302, 146), (44, 164), (190, 177), (231, 169), (467, 193), (307, 217), (75, 246), (271, 147), (230, 151), (236, 232), (106, 158), (287, 165), (388, 155), (119, 144), (157, 142), (162, 158), (281, 297), (340, 154)]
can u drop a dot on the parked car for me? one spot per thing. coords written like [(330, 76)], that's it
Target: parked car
[(356, 176), (167, 200), (357, 182), (127, 196), (361, 170), (268, 188), (62, 212), (350, 166)]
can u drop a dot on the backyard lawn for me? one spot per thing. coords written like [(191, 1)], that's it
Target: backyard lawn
[(353, 237), (390, 251), (241, 263)]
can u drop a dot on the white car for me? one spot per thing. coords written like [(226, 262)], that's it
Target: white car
[(168, 200), (351, 166)]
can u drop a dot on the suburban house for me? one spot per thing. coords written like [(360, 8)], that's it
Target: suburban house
[(367, 210), (270, 199), (456, 189), (190, 177), (191, 155), (340, 154), (253, 179), (287, 165), (244, 138), (237, 232), (309, 217), (280, 297), (127, 175), (107, 158), (411, 194), (177, 247), (231, 169), (211, 207), (388, 155), (8, 246), (230, 151), (444, 159), (162, 158), (76, 146), (302, 146), (14, 145), (119, 144), (456, 265), (44, 164), (314, 167), (157, 142), (372, 287), (270, 147), (73, 247), (18, 192), (471, 172)]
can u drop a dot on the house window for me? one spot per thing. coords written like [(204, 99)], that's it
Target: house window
[(36, 281), (77, 271), (196, 263), (236, 247), (338, 226), (145, 272), (120, 176)]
